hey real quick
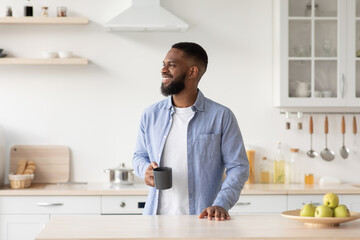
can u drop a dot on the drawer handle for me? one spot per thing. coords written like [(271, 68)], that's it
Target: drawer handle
[(122, 204), (315, 203), (243, 203), (49, 204)]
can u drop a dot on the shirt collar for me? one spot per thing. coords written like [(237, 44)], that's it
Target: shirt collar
[(198, 105)]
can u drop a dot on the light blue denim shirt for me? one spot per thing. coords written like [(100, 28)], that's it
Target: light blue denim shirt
[(214, 142)]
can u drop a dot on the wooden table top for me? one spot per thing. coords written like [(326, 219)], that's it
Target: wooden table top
[(116, 227)]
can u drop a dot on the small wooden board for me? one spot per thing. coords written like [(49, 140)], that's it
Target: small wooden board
[(52, 162)]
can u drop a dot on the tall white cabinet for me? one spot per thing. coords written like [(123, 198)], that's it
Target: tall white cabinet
[(317, 53)]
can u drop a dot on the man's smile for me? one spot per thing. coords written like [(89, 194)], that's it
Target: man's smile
[(166, 79)]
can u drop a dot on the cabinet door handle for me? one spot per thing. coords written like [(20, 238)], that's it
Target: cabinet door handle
[(49, 204), (343, 86), (243, 204), (122, 204)]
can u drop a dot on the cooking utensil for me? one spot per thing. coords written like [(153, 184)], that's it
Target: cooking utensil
[(327, 154), (121, 175), (344, 152), (52, 162), (311, 153), (355, 143)]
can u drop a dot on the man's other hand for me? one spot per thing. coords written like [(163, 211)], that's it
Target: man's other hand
[(219, 213), (149, 175)]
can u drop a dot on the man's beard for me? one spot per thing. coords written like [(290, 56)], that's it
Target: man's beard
[(175, 87)]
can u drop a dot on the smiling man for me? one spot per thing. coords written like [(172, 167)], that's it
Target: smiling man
[(195, 136)]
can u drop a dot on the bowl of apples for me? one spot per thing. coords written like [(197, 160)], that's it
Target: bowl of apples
[(330, 214)]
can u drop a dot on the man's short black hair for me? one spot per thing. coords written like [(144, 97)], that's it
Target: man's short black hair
[(193, 50)]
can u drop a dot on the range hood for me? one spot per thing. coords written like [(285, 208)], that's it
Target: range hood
[(146, 15)]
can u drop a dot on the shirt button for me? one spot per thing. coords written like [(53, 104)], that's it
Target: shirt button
[(165, 136)]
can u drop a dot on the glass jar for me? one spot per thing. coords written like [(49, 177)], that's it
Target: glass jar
[(251, 158), (44, 12), (299, 120), (288, 120), (61, 11), (9, 12), (309, 178), (265, 170), (28, 9)]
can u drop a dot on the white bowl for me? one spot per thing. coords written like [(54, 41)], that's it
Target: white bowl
[(65, 54), (47, 54)]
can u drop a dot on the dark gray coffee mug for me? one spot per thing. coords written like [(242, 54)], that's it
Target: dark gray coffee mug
[(163, 177)]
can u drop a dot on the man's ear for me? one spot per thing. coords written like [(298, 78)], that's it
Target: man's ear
[(194, 72)]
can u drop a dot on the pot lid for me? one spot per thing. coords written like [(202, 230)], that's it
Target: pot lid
[(122, 167)]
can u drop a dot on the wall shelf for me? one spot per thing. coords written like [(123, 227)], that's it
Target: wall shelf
[(45, 20), (44, 61)]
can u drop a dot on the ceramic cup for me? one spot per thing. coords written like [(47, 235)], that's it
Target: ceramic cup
[(48, 54), (327, 94), (65, 54), (317, 94), (163, 178)]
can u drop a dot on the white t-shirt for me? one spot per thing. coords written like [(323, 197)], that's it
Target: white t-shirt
[(175, 201)]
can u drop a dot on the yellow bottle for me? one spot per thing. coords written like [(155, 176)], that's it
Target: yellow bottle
[(279, 166), (251, 158)]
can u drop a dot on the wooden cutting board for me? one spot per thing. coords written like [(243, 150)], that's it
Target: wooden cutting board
[(52, 162)]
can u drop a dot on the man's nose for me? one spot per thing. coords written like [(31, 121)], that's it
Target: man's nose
[(164, 69)]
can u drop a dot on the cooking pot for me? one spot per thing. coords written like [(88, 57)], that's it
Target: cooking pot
[(121, 175)]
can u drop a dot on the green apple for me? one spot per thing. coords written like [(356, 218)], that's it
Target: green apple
[(331, 200), (323, 211), (308, 210), (341, 211)]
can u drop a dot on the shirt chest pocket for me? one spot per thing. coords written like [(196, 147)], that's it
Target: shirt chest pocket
[(209, 146)]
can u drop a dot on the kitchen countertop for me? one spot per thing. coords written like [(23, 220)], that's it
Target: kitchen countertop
[(112, 227), (104, 189)]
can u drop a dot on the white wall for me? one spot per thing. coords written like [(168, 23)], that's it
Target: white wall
[(95, 109)]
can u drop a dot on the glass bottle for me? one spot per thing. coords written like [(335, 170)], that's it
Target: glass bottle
[(299, 120), (292, 168), (62, 11), (279, 166), (288, 120), (44, 12), (9, 12), (265, 170), (28, 9), (295, 173)]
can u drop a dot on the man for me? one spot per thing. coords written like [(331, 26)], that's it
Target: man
[(194, 136)]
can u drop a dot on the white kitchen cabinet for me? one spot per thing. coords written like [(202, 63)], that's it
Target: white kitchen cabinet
[(352, 202), (315, 61), (259, 204), (122, 204), (50, 205), (22, 218), (21, 227)]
